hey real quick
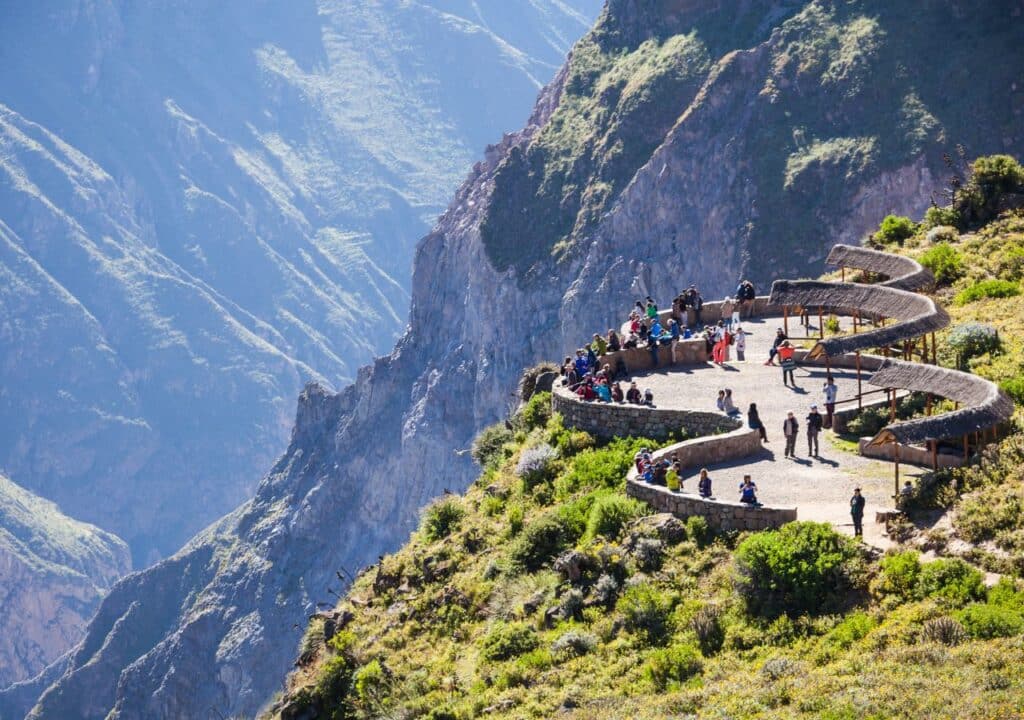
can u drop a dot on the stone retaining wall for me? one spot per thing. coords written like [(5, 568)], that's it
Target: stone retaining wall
[(687, 352), (608, 420), (720, 514)]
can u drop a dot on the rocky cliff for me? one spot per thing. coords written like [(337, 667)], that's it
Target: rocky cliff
[(53, 573), (683, 142), (205, 205)]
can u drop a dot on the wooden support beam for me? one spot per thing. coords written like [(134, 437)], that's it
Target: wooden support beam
[(892, 405), (821, 322), (934, 446), (860, 396), (928, 404), (896, 471), (785, 319), (935, 360), (966, 447)]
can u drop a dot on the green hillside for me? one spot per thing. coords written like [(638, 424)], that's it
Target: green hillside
[(546, 591)]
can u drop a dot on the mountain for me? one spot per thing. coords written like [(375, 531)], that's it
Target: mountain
[(681, 142), (205, 205), (53, 571)]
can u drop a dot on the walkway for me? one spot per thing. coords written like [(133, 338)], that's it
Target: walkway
[(819, 487)]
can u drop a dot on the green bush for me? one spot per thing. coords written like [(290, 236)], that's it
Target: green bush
[(952, 580), (894, 230), (646, 612), (507, 640), (987, 289), (698, 530), (991, 621), (489, 446), (945, 263), (941, 216), (853, 628), (330, 694), (370, 683), (442, 517), (997, 174), (1014, 387), (899, 576), (609, 514), (668, 667), (540, 541), (972, 339), (604, 467), (804, 567), (537, 411), (1005, 594), (832, 325)]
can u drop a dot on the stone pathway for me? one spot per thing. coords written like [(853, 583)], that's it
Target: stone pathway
[(819, 487)]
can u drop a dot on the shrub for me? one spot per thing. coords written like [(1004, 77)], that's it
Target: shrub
[(936, 217), (991, 621), (606, 589), (573, 644), (647, 553), (698, 530), (609, 514), (536, 464), (850, 630), (507, 640), (707, 625), (952, 580), (804, 567), (489, 446), (514, 518), (1014, 387), (944, 630), (603, 467), (672, 665), (537, 411), (972, 339), (997, 174), (987, 289), (330, 694), (539, 542), (1005, 594), (894, 230), (944, 262), (646, 612), (370, 683), (899, 576), (442, 517), (832, 325)]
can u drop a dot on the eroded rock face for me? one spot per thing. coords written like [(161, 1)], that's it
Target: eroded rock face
[(710, 203), (53, 573)]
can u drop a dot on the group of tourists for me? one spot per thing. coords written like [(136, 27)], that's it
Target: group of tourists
[(668, 472), (582, 376)]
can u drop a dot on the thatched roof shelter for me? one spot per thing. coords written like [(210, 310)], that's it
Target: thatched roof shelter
[(914, 315), (904, 273), (984, 404)]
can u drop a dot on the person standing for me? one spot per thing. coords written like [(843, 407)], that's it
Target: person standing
[(741, 345), (788, 362), (814, 422), (857, 513), (790, 428), (830, 400)]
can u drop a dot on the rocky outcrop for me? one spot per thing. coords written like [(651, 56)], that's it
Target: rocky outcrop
[(754, 175), (205, 205), (53, 573)]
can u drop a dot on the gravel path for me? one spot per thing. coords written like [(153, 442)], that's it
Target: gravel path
[(820, 487)]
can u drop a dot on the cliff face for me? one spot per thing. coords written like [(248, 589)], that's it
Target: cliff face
[(205, 205), (53, 572), (778, 143)]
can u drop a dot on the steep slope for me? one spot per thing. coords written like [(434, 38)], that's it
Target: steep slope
[(203, 206), (53, 571), (364, 461)]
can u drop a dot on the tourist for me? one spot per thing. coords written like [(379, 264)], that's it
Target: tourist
[(729, 407), (660, 472), (830, 400), (718, 343), (788, 362), (648, 397), (599, 345), (780, 337), (638, 461), (748, 491), (790, 428), (673, 337), (857, 512), (633, 341), (617, 394), (696, 303), (582, 366), (651, 310), (720, 402), (727, 315), (747, 296), (741, 345), (604, 393), (814, 423), (612, 341), (633, 394), (586, 391), (675, 475), (704, 484), (754, 422), (639, 309), (648, 473), (905, 496), (591, 358)]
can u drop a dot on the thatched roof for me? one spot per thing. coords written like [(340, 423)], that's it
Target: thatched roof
[(984, 404), (904, 273), (914, 315)]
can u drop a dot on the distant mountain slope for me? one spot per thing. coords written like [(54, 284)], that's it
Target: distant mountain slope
[(53, 572), (204, 205), (742, 178)]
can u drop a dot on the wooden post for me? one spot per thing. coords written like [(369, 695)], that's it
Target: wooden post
[(892, 405), (821, 322), (935, 360), (785, 319), (856, 316), (934, 444), (896, 479), (966, 448), (842, 269), (860, 399), (928, 404)]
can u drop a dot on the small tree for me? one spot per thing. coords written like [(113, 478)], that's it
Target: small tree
[(894, 230), (945, 263)]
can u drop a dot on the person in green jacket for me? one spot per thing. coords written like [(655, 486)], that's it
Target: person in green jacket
[(600, 345)]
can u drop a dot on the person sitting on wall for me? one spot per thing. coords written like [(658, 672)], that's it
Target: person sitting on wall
[(586, 391), (613, 342), (599, 345), (704, 484), (780, 337), (633, 341), (748, 491), (617, 394), (720, 402), (634, 322), (747, 296), (638, 461), (694, 302), (633, 394), (651, 310), (728, 406), (648, 397), (581, 363), (660, 472), (604, 393)]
